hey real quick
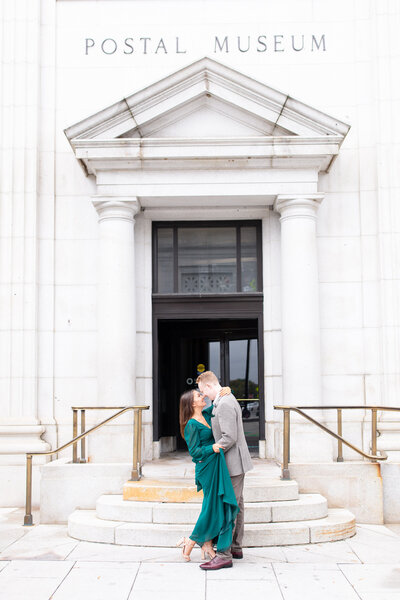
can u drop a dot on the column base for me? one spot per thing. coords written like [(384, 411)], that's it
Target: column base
[(18, 439)]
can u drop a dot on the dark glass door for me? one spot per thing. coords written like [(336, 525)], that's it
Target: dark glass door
[(229, 348)]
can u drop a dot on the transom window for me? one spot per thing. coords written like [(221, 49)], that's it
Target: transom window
[(207, 258)]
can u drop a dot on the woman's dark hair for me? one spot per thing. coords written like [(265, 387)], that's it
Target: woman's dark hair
[(185, 410)]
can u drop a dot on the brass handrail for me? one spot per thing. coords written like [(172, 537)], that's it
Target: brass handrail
[(83, 410), (136, 472), (299, 409)]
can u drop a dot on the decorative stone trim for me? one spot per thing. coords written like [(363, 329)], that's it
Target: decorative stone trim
[(117, 209), (298, 206)]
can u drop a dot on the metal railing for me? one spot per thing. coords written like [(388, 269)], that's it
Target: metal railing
[(374, 457), (136, 472)]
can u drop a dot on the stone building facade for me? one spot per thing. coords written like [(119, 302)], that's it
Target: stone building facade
[(197, 185)]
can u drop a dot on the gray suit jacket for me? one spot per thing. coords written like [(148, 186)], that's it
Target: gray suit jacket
[(227, 428)]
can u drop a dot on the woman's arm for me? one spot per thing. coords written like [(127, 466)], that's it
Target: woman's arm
[(192, 438), (225, 391)]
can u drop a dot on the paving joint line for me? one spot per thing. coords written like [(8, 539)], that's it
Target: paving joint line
[(62, 580), (277, 581), (134, 581), (347, 579)]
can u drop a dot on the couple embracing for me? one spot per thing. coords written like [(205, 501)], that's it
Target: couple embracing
[(217, 445)]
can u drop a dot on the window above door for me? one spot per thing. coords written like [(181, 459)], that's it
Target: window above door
[(207, 258)]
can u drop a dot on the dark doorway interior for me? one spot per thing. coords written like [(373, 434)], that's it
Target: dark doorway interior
[(229, 347)]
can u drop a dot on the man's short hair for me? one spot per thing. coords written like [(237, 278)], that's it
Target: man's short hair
[(207, 377)]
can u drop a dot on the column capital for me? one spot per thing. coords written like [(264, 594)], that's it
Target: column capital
[(111, 207), (298, 205)]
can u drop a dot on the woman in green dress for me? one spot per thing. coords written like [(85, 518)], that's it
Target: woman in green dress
[(219, 509)]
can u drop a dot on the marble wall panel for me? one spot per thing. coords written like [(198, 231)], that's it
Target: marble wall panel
[(144, 395), (272, 308), (76, 218), (341, 305), (5, 337), (76, 308), (273, 395), (343, 389), (368, 212), (371, 307), (273, 353), (73, 391), (368, 168), (373, 390), (339, 215), (339, 259), (45, 341), (76, 262), (372, 350), (344, 175), (75, 354), (144, 345), (71, 179), (342, 351)]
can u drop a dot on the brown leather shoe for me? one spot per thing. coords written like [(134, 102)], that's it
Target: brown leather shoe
[(237, 554), (216, 563)]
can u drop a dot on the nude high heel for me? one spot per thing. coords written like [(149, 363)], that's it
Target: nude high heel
[(207, 549), (186, 543)]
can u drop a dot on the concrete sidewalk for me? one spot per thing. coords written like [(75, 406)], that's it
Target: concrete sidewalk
[(42, 562)]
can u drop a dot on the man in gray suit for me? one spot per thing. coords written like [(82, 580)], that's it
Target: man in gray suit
[(227, 428)]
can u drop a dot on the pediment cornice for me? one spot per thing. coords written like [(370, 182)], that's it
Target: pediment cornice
[(281, 124)]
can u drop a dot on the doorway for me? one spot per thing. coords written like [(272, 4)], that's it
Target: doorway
[(229, 347)]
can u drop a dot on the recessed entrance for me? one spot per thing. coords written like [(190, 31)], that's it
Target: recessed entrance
[(229, 347)]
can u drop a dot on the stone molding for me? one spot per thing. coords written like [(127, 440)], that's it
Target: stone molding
[(211, 79), (228, 153), (298, 206), (287, 133), (123, 210)]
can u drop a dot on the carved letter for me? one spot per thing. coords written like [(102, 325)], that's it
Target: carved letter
[(89, 45), (318, 45), (127, 40), (161, 45), (262, 43), (276, 42), (220, 46), (248, 45), (109, 40), (302, 44), (177, 48), (145, 40)]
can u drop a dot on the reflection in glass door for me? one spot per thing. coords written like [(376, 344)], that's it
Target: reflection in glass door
[(243, 380), (229, 348)]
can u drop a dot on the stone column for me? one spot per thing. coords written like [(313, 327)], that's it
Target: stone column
[(300, 299), (116, 301), (301, 356), (20, 140)]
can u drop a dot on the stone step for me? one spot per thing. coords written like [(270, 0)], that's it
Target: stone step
[(114, 508), (85, 525), (257, 489)]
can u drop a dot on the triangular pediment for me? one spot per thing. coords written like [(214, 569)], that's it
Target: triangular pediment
[(207, 99), (206, 117)]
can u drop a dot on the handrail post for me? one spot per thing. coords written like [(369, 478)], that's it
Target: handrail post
[(339, 431), (139, 464), (74, 434), (374, 423), (286, 444), (135, 475), (83, 440), (28, 520)]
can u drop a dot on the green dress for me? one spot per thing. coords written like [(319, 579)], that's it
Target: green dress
[(219, 509)]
